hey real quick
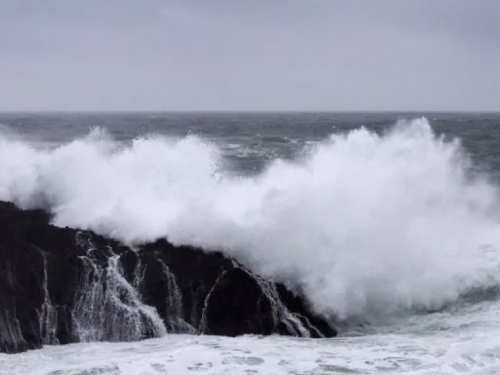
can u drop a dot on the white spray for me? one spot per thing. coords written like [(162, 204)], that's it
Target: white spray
[(366, 226)]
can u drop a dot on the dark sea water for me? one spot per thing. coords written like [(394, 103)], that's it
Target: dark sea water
[(250, 140), (387, 223)]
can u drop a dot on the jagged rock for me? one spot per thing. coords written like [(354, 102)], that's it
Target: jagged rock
[(61, 285)]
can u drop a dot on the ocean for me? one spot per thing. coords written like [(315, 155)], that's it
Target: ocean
[(387, 223)]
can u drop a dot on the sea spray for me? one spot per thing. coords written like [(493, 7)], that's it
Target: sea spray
[(366, 225)]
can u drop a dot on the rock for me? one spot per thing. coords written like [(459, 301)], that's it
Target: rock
[(61, 285)]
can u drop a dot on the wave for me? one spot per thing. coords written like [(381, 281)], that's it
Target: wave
[(365, 225)]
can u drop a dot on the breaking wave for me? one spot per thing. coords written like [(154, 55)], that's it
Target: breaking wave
[(366, 226)]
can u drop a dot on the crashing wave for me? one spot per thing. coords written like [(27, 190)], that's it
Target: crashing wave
[(366, 225)]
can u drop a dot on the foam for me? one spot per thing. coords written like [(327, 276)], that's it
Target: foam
[(367, 226)]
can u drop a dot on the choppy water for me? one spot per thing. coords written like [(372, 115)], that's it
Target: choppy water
[(251, 140), (457, 341), (394, 231)]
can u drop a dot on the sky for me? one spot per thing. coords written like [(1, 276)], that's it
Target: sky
[(249, 55)]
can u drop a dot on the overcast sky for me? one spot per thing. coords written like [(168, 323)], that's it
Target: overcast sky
[(297, 55)]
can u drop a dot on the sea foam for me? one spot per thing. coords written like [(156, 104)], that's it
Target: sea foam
[(365, 225)]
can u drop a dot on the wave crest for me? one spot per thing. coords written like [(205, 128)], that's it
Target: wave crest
[(366, 225)]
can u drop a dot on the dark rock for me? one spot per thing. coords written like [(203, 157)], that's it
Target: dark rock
[(227, 307), (61, 285)]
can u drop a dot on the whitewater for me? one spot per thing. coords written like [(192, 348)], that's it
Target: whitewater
[(393, 235)]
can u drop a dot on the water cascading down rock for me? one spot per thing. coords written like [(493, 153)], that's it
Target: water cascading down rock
[(61, 285)]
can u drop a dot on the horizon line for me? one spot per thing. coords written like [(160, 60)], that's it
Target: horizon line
[(201, 111)]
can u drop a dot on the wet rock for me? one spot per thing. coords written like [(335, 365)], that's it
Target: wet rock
[(61, 285)]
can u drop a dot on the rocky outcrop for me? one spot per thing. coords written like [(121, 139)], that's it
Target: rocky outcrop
[(61, 285)]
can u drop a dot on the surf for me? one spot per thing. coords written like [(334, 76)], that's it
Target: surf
[(368, 226)]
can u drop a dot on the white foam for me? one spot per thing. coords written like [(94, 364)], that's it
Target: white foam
[(464, 343), (366, 225)]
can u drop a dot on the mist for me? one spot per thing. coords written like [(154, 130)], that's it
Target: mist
[(263, 55), (366, 227)]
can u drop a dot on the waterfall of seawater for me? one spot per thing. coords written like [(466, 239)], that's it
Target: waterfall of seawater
[(281, 314), (109, 308), (48, 313), (174, 309)]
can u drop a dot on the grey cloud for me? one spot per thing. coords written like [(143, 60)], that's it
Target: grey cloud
[(249, 55)]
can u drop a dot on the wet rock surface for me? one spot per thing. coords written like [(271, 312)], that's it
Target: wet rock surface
[(61, 285)]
